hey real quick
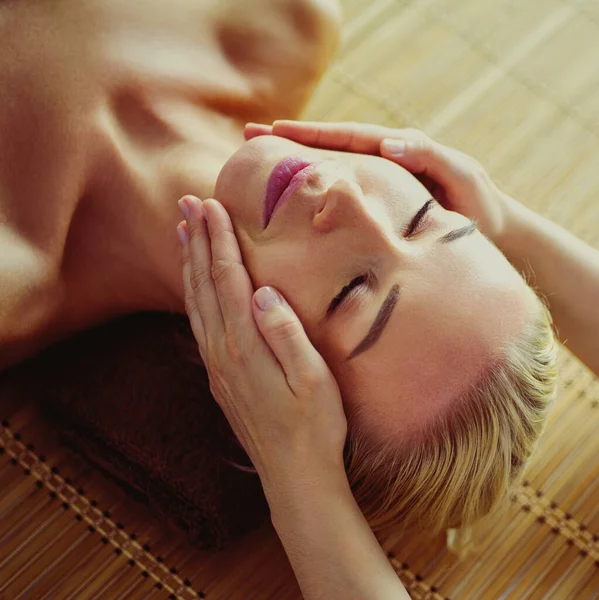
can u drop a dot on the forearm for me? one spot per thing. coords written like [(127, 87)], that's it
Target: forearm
[(330, 545), (565, 270)]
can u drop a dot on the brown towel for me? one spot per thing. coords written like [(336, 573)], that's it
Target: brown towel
[(129, 396)]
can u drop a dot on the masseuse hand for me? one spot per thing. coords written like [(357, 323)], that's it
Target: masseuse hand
[(276, 391), (455, 179)]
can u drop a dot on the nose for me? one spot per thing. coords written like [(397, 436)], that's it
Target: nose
[(346, 208), (343, 204), (360, 223)]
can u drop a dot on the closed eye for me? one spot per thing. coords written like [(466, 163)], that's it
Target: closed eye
[(340, 297)]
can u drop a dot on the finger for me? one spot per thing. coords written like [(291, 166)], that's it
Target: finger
[(421, 155), (362, 138), (199, 273), (191, 306), (253, 130), (286, 337), (231, 280)]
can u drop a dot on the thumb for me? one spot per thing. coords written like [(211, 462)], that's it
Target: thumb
[(421, 155), (286, 337)]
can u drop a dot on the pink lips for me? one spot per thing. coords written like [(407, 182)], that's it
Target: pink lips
[(278, 182)]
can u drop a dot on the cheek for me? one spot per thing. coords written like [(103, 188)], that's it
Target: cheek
[(235, 172), (279, 266)]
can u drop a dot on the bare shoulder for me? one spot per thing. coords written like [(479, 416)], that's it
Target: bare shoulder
[(28, 286), (282, 46)]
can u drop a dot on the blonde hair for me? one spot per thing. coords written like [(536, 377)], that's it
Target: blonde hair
[(463, 465)]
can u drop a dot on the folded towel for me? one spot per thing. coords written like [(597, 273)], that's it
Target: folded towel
[(130, 397)]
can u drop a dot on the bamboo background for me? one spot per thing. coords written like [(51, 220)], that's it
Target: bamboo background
[(514, 83)]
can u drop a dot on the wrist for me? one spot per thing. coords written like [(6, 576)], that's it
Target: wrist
[(515, 216), (297, 492), (295, 469)]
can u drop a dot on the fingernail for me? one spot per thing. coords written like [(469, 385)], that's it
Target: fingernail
[(394, 147), (183, 235), (184, 206), (266, 298)]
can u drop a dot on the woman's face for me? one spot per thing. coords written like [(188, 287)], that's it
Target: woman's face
[(427, 301)]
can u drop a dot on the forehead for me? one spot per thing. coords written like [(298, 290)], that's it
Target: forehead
[(454, 317), (387, 186), (376, 171)]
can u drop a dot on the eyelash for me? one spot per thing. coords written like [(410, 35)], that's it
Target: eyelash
[(342, 295), (367, 277)]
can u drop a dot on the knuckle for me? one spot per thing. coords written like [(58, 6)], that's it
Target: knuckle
[(475, 171), (350, 135), (312, 380), (198, 279), (284, 330), (415, 135), (427, 147), (317, 137), (417, 139), (221, 270), (412, 131)]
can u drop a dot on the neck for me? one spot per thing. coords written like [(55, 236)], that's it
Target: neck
[(159, 251), (141, 256)]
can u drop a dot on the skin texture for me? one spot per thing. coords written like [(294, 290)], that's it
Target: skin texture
[(459, 302)]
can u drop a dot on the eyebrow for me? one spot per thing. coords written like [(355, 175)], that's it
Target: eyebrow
[(386, 309), (379, 323), (456, 234)]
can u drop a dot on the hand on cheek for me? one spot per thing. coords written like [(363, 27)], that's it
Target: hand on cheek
[(276, 391)]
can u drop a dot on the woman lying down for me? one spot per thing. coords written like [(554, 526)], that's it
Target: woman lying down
[(350, 288)]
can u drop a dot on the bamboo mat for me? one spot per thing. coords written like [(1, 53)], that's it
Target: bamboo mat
[(516, 83)]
